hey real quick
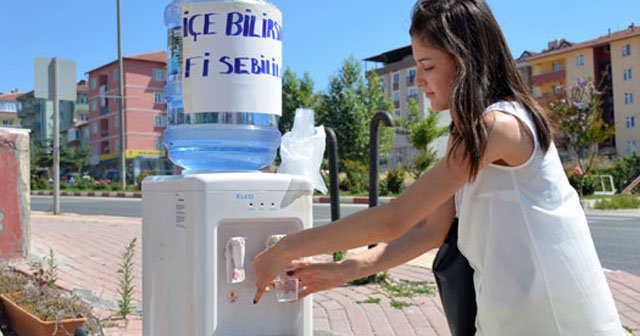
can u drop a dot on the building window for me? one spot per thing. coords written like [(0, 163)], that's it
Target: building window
[(116, 75), (396, 99), (628, 98), (631, 147), (116, 121), (580, 60), (396, 80), (411, 77), (160, 121), (94, 105), (626, 49), (158, 74), (627, 74), (158, 98), (382, 86), (631, 122), (117, 145), (7, 123), (94, 128), (93, 83), (159, 144), (413, 93), (556, 66)]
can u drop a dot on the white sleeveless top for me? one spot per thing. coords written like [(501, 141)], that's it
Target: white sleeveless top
[(525, 234)]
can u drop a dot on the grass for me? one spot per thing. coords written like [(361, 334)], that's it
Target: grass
[(394, 289), (617, 202)]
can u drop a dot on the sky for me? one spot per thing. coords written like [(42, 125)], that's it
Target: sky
[(318, 34)]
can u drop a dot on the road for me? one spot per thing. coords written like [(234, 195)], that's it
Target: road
[(615, 234)]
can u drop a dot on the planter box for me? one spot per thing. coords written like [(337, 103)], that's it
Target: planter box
[(26, 324)]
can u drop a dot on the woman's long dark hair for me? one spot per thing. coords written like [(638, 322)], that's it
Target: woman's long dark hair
[(485, 70)]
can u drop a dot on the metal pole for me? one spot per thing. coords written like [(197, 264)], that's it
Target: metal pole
[(373, 164), (373, 154), (56, 139), (123, 157), (332, 148)]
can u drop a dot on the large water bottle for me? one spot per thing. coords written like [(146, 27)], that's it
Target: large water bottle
[(231, 138)]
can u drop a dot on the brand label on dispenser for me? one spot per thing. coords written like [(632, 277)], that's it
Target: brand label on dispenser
[(181, 211), (232, 57)]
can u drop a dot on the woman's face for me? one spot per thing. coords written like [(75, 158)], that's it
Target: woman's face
[(435, 72)]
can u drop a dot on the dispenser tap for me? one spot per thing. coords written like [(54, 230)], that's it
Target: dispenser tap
[(234, 255)]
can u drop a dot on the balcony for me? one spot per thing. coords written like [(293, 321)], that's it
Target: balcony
[(553, 76)]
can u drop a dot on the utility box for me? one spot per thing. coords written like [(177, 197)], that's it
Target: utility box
[(200, 234), (15, 198)]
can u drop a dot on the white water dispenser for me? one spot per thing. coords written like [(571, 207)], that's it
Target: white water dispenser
[(200, 234)]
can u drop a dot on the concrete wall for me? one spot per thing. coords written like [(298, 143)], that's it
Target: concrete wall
[(15, 199)]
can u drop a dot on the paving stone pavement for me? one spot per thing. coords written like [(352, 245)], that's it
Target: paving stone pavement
[(88, 252)]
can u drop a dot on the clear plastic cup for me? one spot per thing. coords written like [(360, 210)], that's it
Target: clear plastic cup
[(286, 289)]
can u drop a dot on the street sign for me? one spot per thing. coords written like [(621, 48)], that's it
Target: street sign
[(45, 77)]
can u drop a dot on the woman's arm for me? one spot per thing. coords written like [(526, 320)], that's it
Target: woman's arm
[(422, 237), (392, 220)]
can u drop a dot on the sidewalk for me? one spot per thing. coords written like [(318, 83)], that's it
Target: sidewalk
[(88, 251)]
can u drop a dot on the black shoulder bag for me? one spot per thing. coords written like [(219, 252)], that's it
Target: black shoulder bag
[(454, 278)]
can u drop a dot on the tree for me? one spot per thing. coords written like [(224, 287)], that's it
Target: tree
[(70, 159), (578, 115), (421, 132), (296, 93), (348, 106)]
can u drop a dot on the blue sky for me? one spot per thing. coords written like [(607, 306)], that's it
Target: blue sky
[(318, 34)]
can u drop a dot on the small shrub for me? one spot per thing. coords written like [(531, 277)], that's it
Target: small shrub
[(589, 186), (395, 180), (126, 281), (357, 176)]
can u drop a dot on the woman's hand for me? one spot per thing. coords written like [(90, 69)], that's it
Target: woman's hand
[(317, 276), (267, 265)]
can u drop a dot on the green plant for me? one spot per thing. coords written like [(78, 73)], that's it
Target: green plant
[(370, 300), (357, 176), (45, 276), (38, 294), (395, 180), (339, 255), (581, 127), (50, 303), (618, 202), (125, 306), (588, 183), (11, 281)]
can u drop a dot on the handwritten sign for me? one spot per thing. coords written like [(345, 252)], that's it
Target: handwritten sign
[(232, 57)]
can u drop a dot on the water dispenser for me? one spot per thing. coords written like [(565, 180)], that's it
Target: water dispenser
[(200, 234)]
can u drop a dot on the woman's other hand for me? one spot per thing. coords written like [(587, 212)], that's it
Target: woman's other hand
[(317, 276), (267, 265)]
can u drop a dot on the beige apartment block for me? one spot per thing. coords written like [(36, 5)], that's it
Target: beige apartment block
[(397, 71), (612, 62), (625, 69)]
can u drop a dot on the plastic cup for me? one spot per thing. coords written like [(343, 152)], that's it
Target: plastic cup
[(286, 290)]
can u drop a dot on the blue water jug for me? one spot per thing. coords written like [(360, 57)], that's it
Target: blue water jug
[(233, 137)]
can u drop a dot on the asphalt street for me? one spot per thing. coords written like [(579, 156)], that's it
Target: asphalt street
[(615, 234)]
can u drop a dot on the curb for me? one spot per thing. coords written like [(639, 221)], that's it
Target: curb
[(91, 194), (316, 199)]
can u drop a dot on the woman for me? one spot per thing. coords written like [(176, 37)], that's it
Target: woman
[(521, 225)]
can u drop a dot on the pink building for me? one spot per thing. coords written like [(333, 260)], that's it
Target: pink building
[(145, 116)]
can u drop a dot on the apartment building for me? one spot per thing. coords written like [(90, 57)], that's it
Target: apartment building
[(36, 114), (78, 134), (397, 71), (9, 106), (609, 61), (145, 116)]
